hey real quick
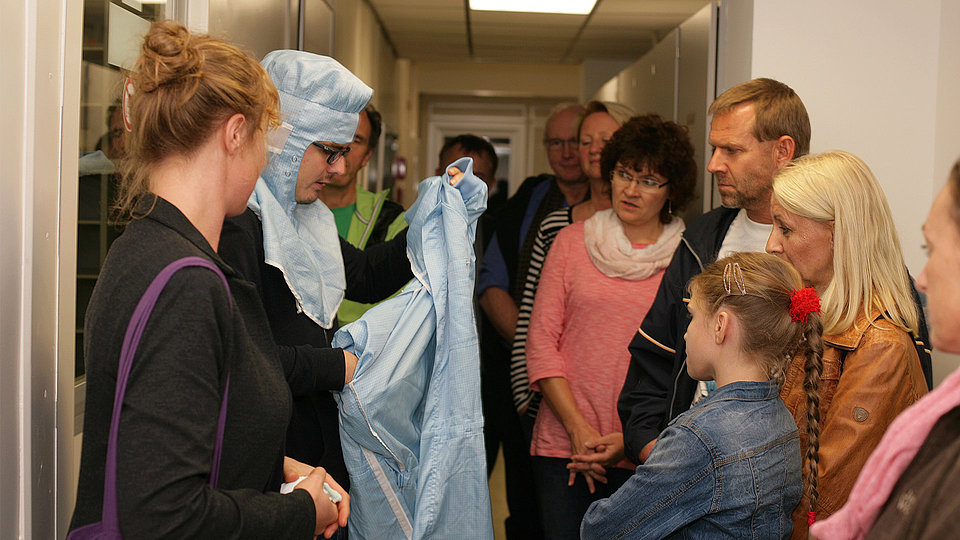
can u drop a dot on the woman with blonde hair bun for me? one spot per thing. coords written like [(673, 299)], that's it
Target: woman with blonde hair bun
[(832, 222), (186, 403)]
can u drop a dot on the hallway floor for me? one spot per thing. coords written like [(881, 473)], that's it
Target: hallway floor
[(498, 499)]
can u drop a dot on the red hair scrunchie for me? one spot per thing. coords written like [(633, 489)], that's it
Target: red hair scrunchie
[(803, 302)]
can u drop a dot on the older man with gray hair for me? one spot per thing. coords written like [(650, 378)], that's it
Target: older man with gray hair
[(505, 262)]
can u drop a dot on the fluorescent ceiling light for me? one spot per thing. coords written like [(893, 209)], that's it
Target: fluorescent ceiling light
[(572, 7)]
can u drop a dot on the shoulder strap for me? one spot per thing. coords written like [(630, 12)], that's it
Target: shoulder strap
[(138, 322)]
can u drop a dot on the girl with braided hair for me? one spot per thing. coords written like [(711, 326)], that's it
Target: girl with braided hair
[(730, 466)]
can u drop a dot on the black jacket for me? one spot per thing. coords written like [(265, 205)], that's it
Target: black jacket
[(509, 221), (388, 214), (506, 222), (657, 386)]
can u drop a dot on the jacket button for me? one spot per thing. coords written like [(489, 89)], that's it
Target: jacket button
[(860, 414)]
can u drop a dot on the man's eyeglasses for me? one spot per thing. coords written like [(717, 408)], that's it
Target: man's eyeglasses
[(333, 154), (646, 184), (557, 144)]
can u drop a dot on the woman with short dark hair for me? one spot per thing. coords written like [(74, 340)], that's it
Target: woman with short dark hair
[(598, 282)]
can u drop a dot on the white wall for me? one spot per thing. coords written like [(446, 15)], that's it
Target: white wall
[(947, 134), (867, 71), (13, 40), (880, 78), (597, 72)]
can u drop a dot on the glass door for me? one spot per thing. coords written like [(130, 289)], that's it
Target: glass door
[(111, 37)]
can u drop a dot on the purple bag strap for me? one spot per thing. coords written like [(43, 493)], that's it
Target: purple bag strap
[(138, 322)]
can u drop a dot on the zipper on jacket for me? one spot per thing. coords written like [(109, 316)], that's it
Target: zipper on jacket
[(676, 381), (683, 366), (373, 431)]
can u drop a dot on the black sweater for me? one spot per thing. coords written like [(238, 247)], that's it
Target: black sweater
[(168, 426)]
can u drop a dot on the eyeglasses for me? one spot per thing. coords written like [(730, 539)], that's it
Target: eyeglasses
[(646, 184), (333, 154), (557, 144)]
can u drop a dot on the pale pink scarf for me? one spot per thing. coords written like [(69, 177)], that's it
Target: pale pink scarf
[(887, 462), (614, 255)]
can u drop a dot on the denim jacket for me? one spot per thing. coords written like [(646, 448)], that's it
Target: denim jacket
[(410, 421), (727, 468)]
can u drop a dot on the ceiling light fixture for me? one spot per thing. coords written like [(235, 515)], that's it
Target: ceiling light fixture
[(571, 7)]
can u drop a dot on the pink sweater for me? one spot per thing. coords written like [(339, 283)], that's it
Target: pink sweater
[(581, 325)]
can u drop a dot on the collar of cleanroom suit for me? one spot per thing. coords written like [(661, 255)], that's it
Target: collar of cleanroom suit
[(410, 421), (320, 100)]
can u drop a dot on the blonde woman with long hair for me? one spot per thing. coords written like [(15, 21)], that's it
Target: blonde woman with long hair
[(832, 222), (916, 461)]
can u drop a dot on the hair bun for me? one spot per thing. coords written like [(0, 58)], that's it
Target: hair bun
[(169, 55)]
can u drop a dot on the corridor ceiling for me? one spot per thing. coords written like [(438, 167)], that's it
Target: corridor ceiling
[(447, 30)]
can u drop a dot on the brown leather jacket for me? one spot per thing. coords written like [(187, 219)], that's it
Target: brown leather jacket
[(881, 376)]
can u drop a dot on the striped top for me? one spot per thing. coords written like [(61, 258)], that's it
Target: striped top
[(525, 399)]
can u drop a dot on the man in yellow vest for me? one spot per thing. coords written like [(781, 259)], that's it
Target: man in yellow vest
[(363, 218)]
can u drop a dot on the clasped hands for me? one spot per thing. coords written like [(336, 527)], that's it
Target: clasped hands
[(593, 454)]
